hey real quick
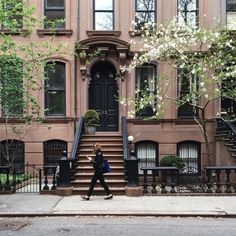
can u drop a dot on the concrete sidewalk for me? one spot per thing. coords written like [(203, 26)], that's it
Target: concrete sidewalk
[(51, 205)]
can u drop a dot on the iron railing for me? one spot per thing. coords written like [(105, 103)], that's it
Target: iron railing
[(124, 131), (77, 138), (166, 180), (27, 178)]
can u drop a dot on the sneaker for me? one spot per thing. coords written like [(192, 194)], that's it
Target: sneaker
[(110, 196), (85, 198)]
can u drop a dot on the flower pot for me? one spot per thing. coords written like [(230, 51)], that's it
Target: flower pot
[(90, 129)]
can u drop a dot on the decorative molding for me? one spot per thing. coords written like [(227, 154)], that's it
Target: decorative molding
[(108, 48), (14, 32), (59, 32), (102, 33)]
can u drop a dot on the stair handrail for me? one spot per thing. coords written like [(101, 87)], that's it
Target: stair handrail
[(77, 138), (226, 127), (124, 132)]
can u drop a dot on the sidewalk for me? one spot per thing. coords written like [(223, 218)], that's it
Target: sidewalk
[(31, 204)]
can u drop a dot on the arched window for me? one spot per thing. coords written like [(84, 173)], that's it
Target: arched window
[(190, 152), (55, 94), (147, 153), (12, 152), (53, 150)]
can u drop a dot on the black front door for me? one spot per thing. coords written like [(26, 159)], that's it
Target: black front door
[(103, 96)]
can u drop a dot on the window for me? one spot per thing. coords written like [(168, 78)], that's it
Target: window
[(53, 150), (55, 89), (11, 86), (231, 14), (103, 14), (187, 91), (188, 12), (145, 12), (189, 151), (55, 14), (12, 17), (147, 153), (12, 152), (146, 84)]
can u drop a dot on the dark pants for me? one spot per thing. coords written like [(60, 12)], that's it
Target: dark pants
[(98, 176)]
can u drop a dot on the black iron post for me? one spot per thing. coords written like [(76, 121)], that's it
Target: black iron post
[(64, 171), (132, 170)]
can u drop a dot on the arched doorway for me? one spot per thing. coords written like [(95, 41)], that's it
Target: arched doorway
[(103, 95)]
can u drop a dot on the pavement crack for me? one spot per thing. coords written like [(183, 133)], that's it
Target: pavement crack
[(52, 210)]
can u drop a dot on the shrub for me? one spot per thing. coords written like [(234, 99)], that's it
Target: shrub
[(91, 117), (172, 160)]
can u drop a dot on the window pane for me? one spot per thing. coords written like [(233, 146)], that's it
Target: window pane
[(56, 103), (56, 77), (189, 153), (188, 12), (187, 5), (145, 5), (146, 81), (53, 151), (53, 16), (103, 5), (189, 18), (231, 5), (146, 153), (231, 20), (103, 21), (144, 17), (54, 3), (12, 151)]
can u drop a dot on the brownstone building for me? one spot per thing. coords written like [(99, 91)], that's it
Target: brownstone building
[(106, 25)]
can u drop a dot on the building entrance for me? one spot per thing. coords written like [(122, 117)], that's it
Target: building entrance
[(103, 96)]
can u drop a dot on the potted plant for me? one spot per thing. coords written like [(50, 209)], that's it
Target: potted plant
[(91, 120), (171, 160)]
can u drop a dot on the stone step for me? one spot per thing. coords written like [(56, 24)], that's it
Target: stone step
[(105, 145), (112, 147), (86, 168), (104, 149), (232, 149), (105, 156), (109, 182), (108, 176), (99, 191)]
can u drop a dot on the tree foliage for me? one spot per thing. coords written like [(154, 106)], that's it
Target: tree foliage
[(206, 58), (22, 63)]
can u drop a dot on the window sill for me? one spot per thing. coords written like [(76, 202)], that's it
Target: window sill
[(135, 33), (99, 33), (60, 32), (12, 32), (56, 119)]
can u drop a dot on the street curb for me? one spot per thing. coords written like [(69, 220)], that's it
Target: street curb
[(202, 215)]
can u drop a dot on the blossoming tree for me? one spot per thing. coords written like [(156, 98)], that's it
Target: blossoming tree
[(206, 63)]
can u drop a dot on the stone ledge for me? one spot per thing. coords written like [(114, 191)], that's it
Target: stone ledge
[(64, 191), (133, 191)]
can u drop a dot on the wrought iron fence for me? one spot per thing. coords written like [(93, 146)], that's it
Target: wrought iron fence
[(27, 178), (169, 180)]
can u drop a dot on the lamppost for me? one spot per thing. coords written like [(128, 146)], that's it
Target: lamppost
[(132, 188)]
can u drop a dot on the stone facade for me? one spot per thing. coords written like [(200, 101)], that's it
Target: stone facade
[(116, 51)]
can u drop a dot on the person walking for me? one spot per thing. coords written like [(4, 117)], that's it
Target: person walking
[(98, 172)]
